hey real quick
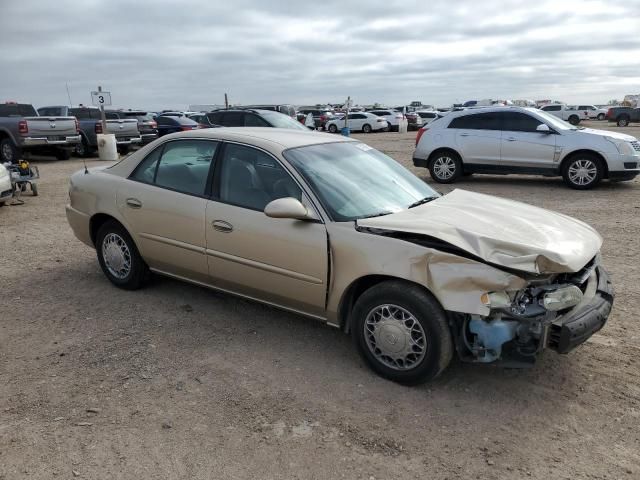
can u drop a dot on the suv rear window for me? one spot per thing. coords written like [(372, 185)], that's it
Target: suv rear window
[(477, 121), (17, 110)]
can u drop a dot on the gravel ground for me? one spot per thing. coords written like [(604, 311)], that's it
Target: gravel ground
[(175, 381)]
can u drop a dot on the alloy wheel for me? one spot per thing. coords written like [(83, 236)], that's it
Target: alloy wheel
[(582, 172), (444, 167), (395, 337)]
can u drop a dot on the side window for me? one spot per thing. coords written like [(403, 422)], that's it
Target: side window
[(251, 120), (111, 115), (232, 119), (551, 108), (215, 118), (519, 122), (250, 178), (145, 172), (184, 165), (479, 121)]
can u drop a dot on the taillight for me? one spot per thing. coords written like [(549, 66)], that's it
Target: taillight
[(610, 113), (153, 124), (77, 126), (186, 128), (323, 118), (98, 127), (23, 128), (420, 133)]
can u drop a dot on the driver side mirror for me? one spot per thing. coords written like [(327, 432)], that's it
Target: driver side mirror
[(288, 207), (543, 128)]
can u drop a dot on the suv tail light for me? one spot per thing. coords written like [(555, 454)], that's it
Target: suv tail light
[(610, 113), (153, 124), (323, 118), (23, 128), (77, 126), (420, 133), (98, 127)]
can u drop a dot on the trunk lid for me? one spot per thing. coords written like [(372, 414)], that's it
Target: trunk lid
[(51, 126), (123, 127), (500, 231)]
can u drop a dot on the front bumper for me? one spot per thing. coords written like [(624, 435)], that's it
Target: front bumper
[(59, 141), (573, 329)]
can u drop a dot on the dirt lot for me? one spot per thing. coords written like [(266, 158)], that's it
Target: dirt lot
[(178, 382)]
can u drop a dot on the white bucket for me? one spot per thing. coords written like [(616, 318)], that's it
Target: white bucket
[(107, 148), (403, 125)]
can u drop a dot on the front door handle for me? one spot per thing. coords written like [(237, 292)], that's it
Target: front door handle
[(222, 226), (511, 139), (134, 203), (464, 134)]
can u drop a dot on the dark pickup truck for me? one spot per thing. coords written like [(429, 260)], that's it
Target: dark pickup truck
[(125, 130), (622, 116), (23, 130)]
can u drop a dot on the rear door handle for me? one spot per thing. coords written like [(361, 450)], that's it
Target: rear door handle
[(134, 203), (511, 139), (222, 226), (464, 134)]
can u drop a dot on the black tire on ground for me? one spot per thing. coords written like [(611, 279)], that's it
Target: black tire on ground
[(601, 116), (574, 120), (583, 171), (82, 149), (34, 189), (333, 128), (623, 121), (9, 152), (445, 166), (431, 346), (63, 154), (112, 235), (366, 128), (123, 150)]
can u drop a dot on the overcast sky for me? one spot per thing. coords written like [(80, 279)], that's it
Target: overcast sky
[(157, 54)]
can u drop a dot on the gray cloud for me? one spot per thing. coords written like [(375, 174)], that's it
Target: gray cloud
[(160, 54)]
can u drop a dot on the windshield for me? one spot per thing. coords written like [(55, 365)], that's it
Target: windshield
[(353, 180), (554, 121), (280, 120)]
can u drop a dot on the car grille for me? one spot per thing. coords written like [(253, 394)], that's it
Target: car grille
[(636, 146)]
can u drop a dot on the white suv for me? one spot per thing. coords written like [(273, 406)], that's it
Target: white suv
[(502, 140)]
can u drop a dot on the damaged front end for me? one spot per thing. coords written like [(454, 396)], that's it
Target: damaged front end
[(558, 312)]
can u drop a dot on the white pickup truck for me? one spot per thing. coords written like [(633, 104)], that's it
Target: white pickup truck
[(22, 130), (565, 112)]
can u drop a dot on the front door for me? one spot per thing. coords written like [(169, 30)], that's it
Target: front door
[(523, 146), (281, 261), (164, 204)]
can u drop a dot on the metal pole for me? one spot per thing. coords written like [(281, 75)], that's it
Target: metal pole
[(226, 102), (104, 120), (68, 94)]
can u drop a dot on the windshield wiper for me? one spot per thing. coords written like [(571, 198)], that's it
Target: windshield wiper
[(381, 214), (422, 201)]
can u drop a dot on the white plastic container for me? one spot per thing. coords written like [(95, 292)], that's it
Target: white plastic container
[(403, 126), (107, 148)]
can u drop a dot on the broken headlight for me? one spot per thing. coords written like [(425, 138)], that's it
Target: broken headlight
[(562, 298)]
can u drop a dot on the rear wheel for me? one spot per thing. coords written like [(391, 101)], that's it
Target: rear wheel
[(366, 128), (123, 150), (62, 154), (582, 172), (401, 331), (445, 167), (119, 257), (600, 116), (333, 128), (623, 121), (8, 151), (81, 149)]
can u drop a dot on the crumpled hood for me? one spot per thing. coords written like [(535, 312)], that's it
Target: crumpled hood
[(502, 232)]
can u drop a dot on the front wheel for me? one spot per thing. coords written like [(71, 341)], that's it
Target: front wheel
[(119, 257), (366, 128), (445, 167), (583, 172), (401, 332)]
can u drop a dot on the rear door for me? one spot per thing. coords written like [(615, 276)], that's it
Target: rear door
[(523, 146), (478, 137), (276, 260), (164, 202)]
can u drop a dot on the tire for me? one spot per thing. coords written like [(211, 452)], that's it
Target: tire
[(574, 120), (115, 268), (9, 152), (401, 302), (600, 116), (63, 154), (583, 171), (333, 128), (623, 121), (123, 150), (445, 167), (34, 189), (366, 128), (82, 149)]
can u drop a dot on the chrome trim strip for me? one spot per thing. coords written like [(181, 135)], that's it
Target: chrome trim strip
[(265, 266), (173, 243), (231, 292)]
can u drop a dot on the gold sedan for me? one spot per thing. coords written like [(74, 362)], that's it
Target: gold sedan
[(332, 229)]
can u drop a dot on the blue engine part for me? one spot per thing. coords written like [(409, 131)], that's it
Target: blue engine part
[(490, 337)]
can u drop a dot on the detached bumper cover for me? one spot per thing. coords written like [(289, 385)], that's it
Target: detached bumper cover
[(574, 329)]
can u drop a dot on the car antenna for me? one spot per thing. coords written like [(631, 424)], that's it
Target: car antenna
[(84, 161)]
